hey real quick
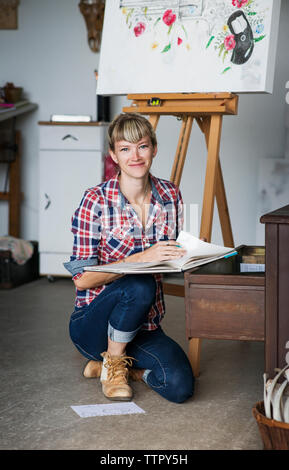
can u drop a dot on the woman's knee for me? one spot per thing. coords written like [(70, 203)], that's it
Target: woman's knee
[(180, 386), (142, 288), (174, 384)]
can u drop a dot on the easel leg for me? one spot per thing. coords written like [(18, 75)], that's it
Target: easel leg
[(220, 191), (214, 185), (181, 151), (154, 119), (211, 172), (213, 143), (223, 209)]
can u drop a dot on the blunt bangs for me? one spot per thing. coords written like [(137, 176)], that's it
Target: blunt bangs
[(130, 127)]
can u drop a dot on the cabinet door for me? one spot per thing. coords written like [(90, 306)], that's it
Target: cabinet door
[(64, 176)]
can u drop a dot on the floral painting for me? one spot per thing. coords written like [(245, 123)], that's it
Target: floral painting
[(242, 29), (233, 27), (225, 38)]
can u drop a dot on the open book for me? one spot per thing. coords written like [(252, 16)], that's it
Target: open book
[(198, 252)]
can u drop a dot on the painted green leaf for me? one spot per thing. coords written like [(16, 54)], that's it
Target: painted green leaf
[(167, 48), (221, 49), (129, 15), (145, 11), (185, 31), (260, 38), (251, 13), (226, 70), (210, 40), (225, 55), (170, 28)]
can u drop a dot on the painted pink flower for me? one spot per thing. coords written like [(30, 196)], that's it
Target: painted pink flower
[(239, 3), (180, 41), (230, 42), (169, 17), (139, 29)]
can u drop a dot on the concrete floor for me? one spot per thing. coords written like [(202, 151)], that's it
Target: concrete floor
[(41, 377)]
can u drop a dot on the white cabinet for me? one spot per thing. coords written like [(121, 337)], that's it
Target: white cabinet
[(71, 160)]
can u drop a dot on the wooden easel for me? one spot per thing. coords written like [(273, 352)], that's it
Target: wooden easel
[(208, 110)]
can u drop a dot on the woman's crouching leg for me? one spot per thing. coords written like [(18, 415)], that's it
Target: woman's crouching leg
[(116, 313), (167, 368)]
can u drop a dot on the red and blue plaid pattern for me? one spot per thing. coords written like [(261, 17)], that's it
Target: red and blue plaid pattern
[(106, 229)]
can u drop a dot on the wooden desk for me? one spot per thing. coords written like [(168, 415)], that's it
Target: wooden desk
[(221, 302), (13, 195), (277, 288)]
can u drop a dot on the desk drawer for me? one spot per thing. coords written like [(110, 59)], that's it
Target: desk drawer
[(225, 312), (72, 137), (223, 303)]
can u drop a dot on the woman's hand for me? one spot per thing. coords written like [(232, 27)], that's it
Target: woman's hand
[(162, 251)]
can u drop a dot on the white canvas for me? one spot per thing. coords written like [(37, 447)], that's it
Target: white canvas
[(152, 46)]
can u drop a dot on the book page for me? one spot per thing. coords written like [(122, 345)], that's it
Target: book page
[(198, 248)]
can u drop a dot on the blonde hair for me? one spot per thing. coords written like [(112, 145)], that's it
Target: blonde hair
[(130, 127)]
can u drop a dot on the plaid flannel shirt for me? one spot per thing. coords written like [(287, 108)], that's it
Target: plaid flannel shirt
[(106, 229)]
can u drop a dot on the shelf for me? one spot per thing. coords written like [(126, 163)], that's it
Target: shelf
[(26, 108), (68, 123), (14, 195)]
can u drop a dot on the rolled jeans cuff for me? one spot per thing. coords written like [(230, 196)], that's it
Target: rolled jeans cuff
[(120, 336), (145, 375)]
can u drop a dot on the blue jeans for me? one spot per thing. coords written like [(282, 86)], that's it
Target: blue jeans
[(119, 313)]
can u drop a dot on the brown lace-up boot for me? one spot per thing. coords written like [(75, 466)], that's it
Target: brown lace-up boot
[(114, 377), (92, 370)]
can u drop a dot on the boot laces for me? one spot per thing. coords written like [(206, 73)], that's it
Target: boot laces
[(117, 367)]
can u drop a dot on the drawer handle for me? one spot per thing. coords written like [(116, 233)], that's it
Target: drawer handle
[(48, 201), (69, 136)]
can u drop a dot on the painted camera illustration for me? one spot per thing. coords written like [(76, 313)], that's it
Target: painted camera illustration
[(242, 31)]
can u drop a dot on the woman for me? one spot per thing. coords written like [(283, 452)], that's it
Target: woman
[(133, 217)]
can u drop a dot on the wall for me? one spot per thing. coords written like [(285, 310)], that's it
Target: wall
[(50, 57)]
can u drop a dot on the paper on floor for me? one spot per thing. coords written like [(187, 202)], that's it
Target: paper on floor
[(87, 411)]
